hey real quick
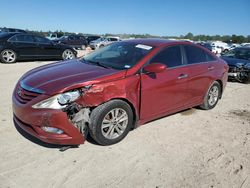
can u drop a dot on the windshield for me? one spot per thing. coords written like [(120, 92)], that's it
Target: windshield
[(119, 55), (63, 37), (239, 53)]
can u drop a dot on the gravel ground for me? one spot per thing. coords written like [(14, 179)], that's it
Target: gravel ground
[(193, 148)]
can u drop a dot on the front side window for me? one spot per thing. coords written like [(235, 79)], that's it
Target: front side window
[(41, 40), (170, 56), (120, 55)]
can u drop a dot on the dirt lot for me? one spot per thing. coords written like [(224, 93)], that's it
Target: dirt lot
[(194, 148)]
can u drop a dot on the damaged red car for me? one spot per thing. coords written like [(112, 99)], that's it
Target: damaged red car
[(115, 89)]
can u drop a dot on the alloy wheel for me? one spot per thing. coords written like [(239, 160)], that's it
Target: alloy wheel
[(8, 56), (68, 54), (114, 123), (213, 95)]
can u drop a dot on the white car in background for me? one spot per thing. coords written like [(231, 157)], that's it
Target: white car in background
[(216, 49), (219, 44), (103, 41)]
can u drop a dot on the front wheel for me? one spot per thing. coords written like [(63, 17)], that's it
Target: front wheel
[(111, 122), (68, 54), (212, 97), (8, 56)]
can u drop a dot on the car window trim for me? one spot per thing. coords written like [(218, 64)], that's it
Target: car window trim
[(22, 41)]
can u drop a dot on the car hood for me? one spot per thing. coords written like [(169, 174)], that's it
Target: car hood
[(233, 61), (66, 75)]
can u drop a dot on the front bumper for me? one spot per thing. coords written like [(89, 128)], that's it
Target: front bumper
[(31, 120)]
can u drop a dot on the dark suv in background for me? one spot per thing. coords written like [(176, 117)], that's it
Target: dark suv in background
[(92, 38), (75, 41)]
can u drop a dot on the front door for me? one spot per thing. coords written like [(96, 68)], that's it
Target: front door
[(164, 92)]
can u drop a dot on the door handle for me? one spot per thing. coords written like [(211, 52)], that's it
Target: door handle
[(182, 76), (211, 68)]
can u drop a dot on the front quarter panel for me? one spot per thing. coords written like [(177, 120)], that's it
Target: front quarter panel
[(127, 89)]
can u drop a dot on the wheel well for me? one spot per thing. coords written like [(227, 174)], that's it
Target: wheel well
[(221, 86)]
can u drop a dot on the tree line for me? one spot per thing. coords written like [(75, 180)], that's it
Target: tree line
[(225, 38)]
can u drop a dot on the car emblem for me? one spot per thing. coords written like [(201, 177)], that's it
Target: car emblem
[(20, 92)]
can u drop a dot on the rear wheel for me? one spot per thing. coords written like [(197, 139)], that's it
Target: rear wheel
[(68, 54), (111, 122), (8, 56), (212, 97)]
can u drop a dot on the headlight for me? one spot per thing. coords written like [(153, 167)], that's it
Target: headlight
[(68, 97), (58, 101)]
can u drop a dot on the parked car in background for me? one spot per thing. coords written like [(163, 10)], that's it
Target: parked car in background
[(53, 36), (92, 38), (219, 44), (104, 41), (24, 46), (75, 41), (11, 30), (212, 48), (245, 44), (116, 88), (238, 60)]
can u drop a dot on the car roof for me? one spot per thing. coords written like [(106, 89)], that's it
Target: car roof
[(7, 35), (157, 41)]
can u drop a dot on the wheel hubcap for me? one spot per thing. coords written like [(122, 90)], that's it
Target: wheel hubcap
[(8, 56), (114, 123), (68, 54), (213, 95)]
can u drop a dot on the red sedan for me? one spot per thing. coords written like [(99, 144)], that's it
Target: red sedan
[(115, 89)]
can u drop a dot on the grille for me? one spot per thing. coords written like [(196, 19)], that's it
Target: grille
[(24, 96)]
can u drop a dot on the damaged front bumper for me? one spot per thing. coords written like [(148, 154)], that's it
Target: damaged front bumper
[(239, 73), (38, 122)]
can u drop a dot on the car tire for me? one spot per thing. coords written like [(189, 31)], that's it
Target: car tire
[(212, 96), (110, 122), (68, 54), (101, 46), (8, 56)]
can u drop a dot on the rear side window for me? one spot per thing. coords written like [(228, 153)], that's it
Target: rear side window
[(195, 54), (209, 57), (170, 56), (24, 38)]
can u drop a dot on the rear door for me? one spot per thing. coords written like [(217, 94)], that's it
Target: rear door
[(25, 45), (166, 91), (200, 65)]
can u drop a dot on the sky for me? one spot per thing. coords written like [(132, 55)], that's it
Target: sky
[(155, 17)]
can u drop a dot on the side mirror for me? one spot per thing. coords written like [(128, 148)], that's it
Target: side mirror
[(155, 68)]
